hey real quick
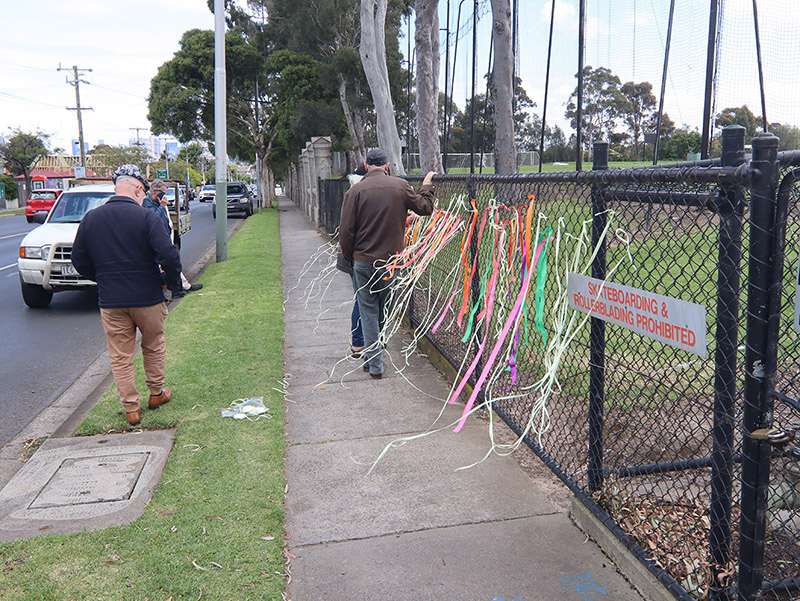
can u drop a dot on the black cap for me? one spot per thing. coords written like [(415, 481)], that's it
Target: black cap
[(377, 157)]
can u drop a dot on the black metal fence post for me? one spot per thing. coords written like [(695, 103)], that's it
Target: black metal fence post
[(758, 377), (475, 289), (598, 330), (730, 205)]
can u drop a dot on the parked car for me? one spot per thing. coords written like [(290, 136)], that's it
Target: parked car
[(182, 193), (239, 200), (41, 201), (208, 192), (44, 262)]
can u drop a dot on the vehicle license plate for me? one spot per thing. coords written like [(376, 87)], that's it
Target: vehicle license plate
[(69, 270)]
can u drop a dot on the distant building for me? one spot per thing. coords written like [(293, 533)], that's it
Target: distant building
[(76, 147), (157, 145)]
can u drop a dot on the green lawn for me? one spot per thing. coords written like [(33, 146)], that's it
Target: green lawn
[(546, 168), (214, 528)]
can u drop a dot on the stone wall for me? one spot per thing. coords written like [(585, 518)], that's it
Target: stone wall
[(314, 163)]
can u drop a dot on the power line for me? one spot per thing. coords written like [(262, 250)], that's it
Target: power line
[(97, 85), (138, 129), (16, 98), (21, 66)]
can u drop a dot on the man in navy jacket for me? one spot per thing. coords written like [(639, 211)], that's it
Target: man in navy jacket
[(123, 247)]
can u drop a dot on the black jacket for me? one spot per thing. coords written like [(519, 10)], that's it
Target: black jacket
[(121, 245)]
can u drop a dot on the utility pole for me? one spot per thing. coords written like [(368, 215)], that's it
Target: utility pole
[(77, 83), (138, 129)]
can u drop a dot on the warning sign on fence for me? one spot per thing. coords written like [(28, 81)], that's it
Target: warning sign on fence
[(674, 322)]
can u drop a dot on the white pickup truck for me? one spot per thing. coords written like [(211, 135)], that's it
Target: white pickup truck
[(45, 254), (44, 263)]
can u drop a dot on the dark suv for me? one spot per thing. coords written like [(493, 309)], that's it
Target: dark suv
[(239, 199)]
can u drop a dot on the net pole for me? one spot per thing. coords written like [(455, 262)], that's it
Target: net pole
[(710, 54), (474, 75), (579, 111), (664, 81), (486, 104), (446, 81), (547, 83), (764, 123)]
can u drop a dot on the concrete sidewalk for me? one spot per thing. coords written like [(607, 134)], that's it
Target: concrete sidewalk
[(414, 528)]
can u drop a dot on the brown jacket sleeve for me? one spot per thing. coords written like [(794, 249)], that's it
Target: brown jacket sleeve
[(422, 203)]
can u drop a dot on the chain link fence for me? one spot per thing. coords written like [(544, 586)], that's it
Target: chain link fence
[(686, 456)]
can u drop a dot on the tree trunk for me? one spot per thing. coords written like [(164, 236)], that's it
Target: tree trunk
[(426, 38), (373, 58), (356, 129), (503, 89)]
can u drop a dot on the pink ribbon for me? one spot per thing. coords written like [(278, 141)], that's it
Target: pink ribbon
[(511, 319)]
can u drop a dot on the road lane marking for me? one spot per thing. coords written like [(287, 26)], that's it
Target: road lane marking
[(8, 267), (12, 236)]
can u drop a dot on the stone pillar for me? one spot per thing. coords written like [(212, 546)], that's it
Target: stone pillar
[(311, 183), (302, 169), (323, 166)]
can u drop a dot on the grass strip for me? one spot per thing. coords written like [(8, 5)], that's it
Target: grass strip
[(214, 528)]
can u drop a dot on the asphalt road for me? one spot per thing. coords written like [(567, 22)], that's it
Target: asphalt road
[(42, 351)]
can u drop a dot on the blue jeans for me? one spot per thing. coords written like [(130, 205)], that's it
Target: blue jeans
[(356, 335), (374, 295)]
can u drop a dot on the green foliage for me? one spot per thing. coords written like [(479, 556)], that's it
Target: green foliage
[(11, 186), (527, 124), (602, 104), (108, 158), (21, 149), (191, 153), (682, 142), (788, 134), (740, 116), (181, 100)]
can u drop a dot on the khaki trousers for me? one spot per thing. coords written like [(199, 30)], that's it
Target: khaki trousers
[(120, 325)]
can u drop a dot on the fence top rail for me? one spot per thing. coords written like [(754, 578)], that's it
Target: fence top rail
[(789, 158), (729, 176)]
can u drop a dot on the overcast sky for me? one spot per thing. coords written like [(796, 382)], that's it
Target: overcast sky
[(125, 42)]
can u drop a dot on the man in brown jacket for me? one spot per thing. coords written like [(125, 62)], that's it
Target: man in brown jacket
[(371, 231)]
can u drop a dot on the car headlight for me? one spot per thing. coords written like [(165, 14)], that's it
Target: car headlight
[(34, 252)]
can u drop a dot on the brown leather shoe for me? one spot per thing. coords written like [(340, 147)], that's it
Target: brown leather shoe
[(156, 400), (133, 417), (376, 376)]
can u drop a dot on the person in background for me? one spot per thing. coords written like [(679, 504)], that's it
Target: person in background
[(124, 249), (371, 230), (156, 201), (356, 333)]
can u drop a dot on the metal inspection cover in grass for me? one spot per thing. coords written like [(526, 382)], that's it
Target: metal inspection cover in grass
[(674, 322)]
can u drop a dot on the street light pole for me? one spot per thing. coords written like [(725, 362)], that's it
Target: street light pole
[(220, 131)]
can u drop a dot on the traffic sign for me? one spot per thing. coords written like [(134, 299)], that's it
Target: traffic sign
[(161, 173), (80, 171)]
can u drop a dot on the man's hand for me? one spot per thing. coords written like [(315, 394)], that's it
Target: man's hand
[(428, 178)]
